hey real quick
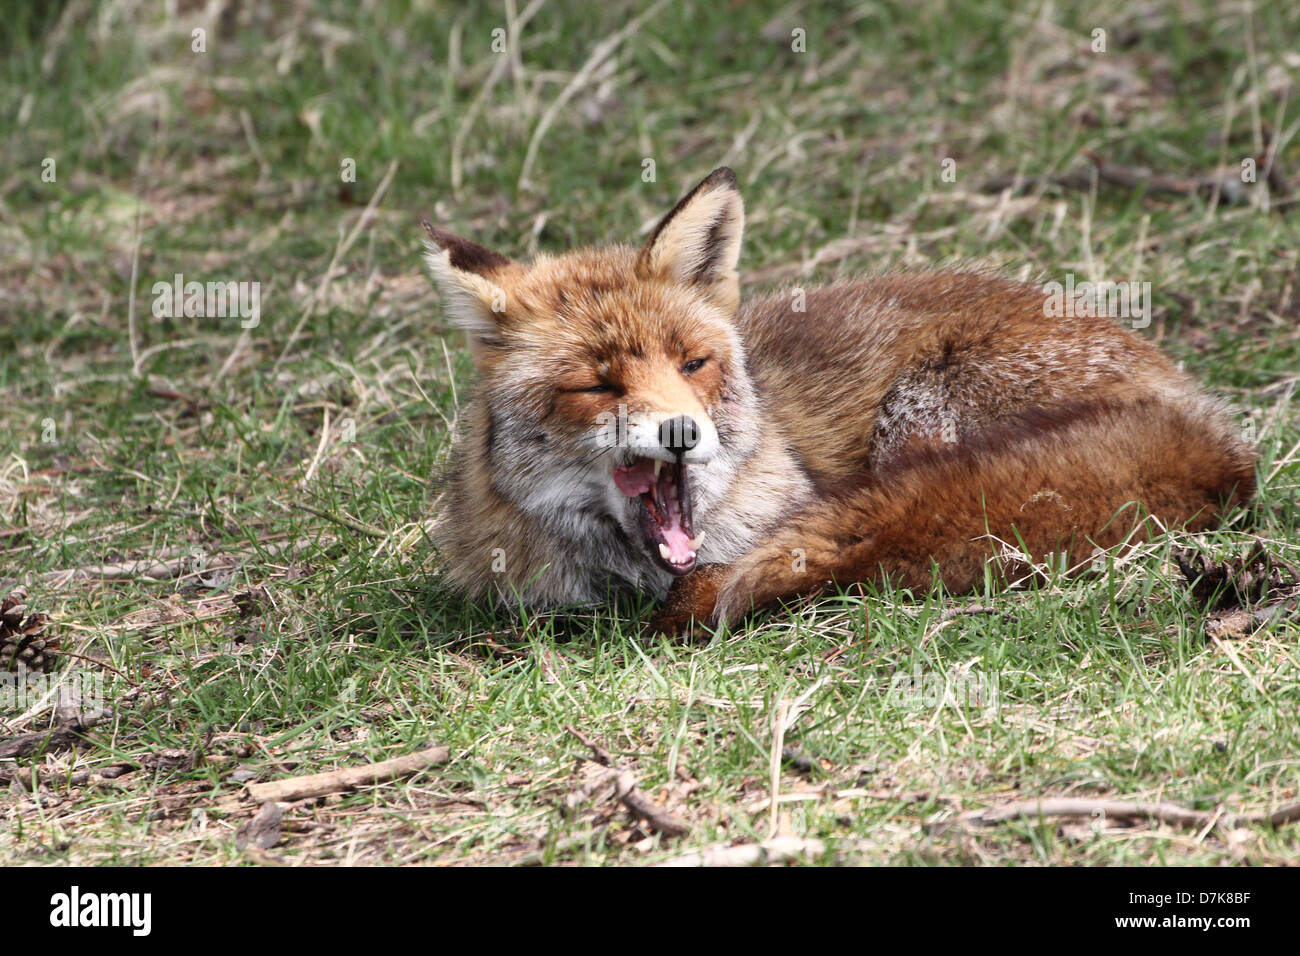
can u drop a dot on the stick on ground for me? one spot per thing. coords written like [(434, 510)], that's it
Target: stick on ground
[(659, 818), (663, 820), (1088, 808), (70, 733), (347, 778)]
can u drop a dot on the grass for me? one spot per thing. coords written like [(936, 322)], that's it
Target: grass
[(306, 466)]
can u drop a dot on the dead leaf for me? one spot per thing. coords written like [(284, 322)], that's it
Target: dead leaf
[(263, 831)]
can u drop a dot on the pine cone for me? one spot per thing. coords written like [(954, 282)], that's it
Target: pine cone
[(1240, 581), (25, 638)]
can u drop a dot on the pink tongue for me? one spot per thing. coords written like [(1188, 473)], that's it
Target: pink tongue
[(675, 536), (635, 479), (679, 543)]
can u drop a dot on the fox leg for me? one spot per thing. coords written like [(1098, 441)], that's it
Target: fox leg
[(1062, 483)]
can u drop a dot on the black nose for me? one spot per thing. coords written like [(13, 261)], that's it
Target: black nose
[(679, 435)]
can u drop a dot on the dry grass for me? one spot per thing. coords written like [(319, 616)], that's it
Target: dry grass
[(278, 480)]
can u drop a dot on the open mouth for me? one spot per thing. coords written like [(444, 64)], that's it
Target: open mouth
[(665, 499)]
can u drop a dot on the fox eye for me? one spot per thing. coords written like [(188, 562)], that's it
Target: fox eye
[(693, 366), (601, 389)]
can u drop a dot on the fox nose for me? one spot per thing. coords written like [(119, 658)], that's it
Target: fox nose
[(679, 434)]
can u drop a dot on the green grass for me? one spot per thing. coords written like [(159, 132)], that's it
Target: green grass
[(225, 165)]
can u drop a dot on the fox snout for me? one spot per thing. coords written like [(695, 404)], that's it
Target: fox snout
[(679, 434), (673, 437)]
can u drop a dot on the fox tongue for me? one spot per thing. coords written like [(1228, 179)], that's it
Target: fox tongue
[(634, 480), (677, 541)]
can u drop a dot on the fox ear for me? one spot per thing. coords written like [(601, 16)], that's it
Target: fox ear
[(465, 274), (698, 243)]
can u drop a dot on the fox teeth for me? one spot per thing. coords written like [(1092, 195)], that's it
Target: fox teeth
[(697, 541), (664, 552), (658, 465)]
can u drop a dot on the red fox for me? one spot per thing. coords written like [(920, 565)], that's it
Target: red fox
[(636, 426)]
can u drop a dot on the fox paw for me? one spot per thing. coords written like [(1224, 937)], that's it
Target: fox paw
[(690, 604)]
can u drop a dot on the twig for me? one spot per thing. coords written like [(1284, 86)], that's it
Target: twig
[(67, 734), (131, 334), (144, 568), (661, 819), (603, 756), (1280, 817), (1085, 807), (60, 652), (347, 778), (320, 449), (774, 766), (38, 776), (157, 391), (157, 568)]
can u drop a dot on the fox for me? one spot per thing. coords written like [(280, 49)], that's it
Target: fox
[(636, 427)]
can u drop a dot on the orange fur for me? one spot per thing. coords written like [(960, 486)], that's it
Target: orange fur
[(899, 427)]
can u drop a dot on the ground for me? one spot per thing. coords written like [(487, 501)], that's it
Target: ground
[(227, 526)]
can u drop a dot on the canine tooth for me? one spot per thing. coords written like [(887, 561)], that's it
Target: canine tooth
[(664, 552), (697, 541), (658, 465)]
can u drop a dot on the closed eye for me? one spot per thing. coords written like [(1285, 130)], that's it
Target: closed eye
[(601, 389), (693, 366)]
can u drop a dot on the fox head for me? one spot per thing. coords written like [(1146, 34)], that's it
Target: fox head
[(617, 400)]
